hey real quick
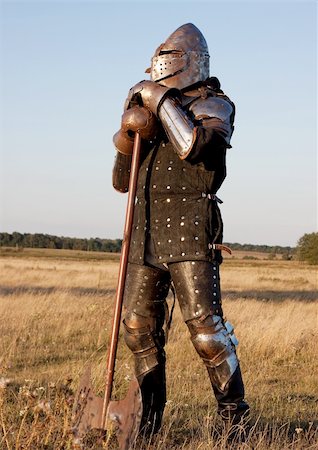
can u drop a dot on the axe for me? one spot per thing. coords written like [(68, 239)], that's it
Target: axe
[(91, 412)]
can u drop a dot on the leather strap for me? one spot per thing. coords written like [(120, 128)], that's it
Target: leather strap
[(221, 247)]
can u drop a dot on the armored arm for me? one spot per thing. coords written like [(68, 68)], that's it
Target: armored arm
[(121, 172), (207, 120)]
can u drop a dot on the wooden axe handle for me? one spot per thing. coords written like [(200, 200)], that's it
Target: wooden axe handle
[(121, 277)]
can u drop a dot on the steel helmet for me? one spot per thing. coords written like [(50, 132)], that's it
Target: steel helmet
[(182, 60)]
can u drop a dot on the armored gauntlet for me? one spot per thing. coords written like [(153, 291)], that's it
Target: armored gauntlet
[(135, 119)]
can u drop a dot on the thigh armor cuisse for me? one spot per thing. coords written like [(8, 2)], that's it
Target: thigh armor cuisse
[(145, 301)]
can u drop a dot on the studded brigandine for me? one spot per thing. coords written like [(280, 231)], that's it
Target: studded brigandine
[(174, 208)]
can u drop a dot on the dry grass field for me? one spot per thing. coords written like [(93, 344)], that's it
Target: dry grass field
[(55, 315)]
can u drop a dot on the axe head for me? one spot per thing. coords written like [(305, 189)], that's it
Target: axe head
[(124, 416)]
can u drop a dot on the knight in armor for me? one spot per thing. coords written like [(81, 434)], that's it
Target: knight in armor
[(185, 121)]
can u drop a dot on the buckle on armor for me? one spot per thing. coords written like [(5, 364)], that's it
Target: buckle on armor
[(211, 197), (230, 329)]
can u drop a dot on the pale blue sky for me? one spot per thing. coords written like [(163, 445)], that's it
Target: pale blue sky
[(66, 68)]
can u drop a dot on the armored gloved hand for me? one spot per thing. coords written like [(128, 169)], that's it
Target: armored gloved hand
[(150, 95), (135, 119)]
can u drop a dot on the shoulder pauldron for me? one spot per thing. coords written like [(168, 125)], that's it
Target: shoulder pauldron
[(212, 107)]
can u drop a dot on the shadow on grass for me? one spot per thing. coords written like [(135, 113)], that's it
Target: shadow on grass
[(261, 295), (7, 291), (272, 296)]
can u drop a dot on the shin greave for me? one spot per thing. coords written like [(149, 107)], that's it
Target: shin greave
[(145, 293)]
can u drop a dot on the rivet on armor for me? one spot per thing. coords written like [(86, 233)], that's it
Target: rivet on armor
[(158, 162), (146, 277), (154, 186), (214, 302), (170, 256), (141, 290), (157, 168), (169, 168), (182, 254), (168, 219), (137, 227), (196, 238), (214, 268), (138, 303), (214, 285), (168, 225), (158, 243), (196, 291), (182, 239), (198, 305), (199, 200), (169, 240), (168, 187), (195, 277), (144, 187), (141, 243), (193, 263), (197, 253), (183, 169), (197, 313), (134, 242), (182, 224), (184, 188), (160, 257), (196, 223), (155, 201), (156, 220), (146, 169), (184, 199), (144, 284), (168, 200), (134, 310), (182, 217), (214, 276), (214, 293), (156, 228), (170, 162)]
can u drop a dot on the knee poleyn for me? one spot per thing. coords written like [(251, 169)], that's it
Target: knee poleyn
[(147, 346), (215, 343)]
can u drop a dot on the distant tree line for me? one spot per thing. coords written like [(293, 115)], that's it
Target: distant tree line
[(307, 248), (39, 240), (273, 249)]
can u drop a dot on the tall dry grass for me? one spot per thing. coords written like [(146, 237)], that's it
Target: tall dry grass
[(55, 318)]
